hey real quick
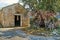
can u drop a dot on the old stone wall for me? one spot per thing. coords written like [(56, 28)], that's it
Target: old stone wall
[(26, 22), (0, 16), (8, 16)]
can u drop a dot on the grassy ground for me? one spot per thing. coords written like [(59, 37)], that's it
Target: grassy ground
[(40, 31), (58, 29)]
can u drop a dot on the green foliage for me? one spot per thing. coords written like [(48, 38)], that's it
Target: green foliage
[(55, 19), (43, 4)]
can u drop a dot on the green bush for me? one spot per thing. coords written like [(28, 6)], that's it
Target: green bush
[(55, 19)]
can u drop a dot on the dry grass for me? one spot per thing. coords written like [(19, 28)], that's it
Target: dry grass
[(39, 31)]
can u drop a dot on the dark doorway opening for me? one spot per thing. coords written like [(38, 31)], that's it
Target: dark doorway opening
[(17, 20)]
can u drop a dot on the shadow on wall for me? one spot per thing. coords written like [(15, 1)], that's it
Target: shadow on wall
[(1, 25)]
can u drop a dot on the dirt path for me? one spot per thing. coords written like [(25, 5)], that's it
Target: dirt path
[(5, 29), (13, 38)]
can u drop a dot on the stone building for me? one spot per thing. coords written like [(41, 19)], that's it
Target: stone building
[(14, 15)]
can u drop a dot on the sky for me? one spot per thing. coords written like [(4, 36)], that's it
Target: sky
[(4, 3)]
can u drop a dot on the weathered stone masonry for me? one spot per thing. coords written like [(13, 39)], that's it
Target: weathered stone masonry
[(7, 15)]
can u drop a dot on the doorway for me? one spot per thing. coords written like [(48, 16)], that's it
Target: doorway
[(17, 20)]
